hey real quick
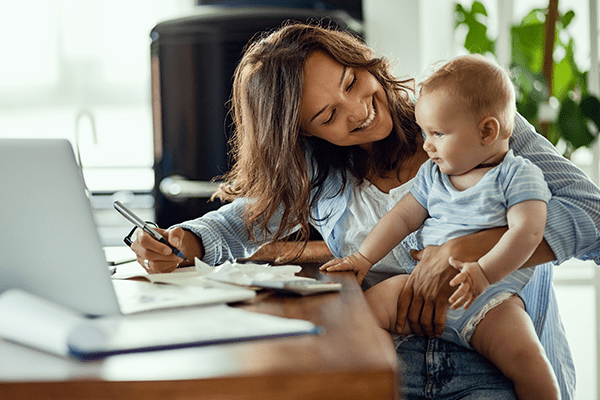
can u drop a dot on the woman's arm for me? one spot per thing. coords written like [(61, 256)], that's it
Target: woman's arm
[(224, 235), (424, 301), (221, 235), (526, 221), (316, 251), (215, 237), (573, 223)]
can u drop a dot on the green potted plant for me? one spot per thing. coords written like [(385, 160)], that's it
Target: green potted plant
[(545, 80)]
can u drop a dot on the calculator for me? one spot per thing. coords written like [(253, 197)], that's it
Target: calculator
[(301, 287)]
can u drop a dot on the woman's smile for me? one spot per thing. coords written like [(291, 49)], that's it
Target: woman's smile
[(343, 105), (369, 120)]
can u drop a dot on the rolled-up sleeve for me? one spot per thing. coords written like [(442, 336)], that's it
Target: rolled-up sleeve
[(573, 221), (224, 234)]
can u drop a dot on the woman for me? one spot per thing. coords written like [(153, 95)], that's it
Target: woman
[(325, 136)]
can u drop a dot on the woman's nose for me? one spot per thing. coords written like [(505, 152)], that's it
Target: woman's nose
[(357, 109)]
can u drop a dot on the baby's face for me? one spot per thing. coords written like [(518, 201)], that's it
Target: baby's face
[(452, 135)]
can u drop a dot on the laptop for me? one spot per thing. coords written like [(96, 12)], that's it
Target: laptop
[(49, 240)]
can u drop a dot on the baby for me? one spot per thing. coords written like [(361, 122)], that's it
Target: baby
[(471, 182)]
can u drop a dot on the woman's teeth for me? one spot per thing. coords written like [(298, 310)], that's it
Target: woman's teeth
[(369, 120)]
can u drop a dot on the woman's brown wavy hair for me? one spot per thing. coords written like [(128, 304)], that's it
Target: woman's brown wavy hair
[(268, 146)]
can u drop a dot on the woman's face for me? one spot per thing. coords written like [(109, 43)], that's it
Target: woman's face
[(342, 105)]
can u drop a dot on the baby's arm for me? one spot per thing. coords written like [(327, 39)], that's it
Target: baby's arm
[(526, 223), (405, 217)]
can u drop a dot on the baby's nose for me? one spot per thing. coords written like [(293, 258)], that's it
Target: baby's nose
[(428, 146)]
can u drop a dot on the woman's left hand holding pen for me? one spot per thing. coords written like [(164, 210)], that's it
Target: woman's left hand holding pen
[(157, 257)]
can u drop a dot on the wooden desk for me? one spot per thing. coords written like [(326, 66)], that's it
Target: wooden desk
[(351, 360)]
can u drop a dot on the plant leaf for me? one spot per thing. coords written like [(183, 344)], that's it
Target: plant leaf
[(553, 134), (477, 40), (590, 107), (527, 45), (528, 108), (573, 124), (535, 16), (535, 85), (478, 7), (459, 15), (567, 18), (563, 78)]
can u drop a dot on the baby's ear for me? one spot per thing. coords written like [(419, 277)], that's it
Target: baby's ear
[(489, 129)]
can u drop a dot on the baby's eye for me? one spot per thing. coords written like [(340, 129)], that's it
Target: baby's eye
[(438, 134)]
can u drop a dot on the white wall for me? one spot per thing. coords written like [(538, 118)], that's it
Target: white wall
[(413, 33)]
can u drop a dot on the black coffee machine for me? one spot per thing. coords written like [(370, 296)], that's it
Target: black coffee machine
[(192, 61)]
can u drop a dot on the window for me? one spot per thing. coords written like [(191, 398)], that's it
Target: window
[(74, 68)]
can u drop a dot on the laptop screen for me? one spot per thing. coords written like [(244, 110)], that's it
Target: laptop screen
[(49, 241)]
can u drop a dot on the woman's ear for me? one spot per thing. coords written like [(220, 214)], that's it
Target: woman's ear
[(489, 129)]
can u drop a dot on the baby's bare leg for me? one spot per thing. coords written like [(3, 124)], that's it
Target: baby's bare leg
[(507, 338), (383, 301)]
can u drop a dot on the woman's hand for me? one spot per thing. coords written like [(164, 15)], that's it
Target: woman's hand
[(157, 257), (354, 262), (424, 300)]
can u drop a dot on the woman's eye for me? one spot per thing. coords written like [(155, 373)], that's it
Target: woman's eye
[(330, 118), (354, 79)]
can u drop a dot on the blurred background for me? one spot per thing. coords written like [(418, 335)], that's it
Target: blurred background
[(139, 88)]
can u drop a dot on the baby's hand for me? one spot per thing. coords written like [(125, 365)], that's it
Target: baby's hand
[(355, 262), (472, 283)]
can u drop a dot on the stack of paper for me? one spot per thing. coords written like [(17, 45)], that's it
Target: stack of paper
[(38, 323)]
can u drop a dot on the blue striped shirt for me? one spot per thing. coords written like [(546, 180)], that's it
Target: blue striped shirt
[(454, 213), (572, 230)]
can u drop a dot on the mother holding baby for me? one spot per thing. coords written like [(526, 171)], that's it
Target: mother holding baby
[(326, 136)]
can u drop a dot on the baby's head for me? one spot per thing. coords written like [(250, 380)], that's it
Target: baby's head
[(478, 85)]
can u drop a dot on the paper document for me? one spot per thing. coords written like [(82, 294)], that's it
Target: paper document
[(203, 275), (139, 296), (246, 273), (203, 284)]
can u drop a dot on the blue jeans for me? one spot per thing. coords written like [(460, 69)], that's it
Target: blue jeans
[(436, 369)]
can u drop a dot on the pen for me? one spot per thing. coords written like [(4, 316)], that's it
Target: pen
[(137, 221)]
